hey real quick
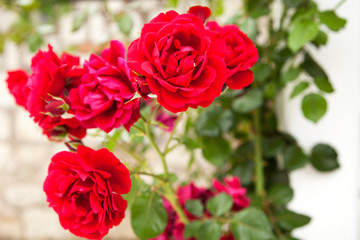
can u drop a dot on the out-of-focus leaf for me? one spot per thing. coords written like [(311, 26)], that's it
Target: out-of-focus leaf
[(324, 84), (314, 107), (324, 158), (148, 216), (294, 158), (79, 21), (302, 32), (125, 24), (250, 101), (299, 88), (332, 21)]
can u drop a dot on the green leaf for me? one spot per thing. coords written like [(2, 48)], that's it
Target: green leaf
[(289, 220), (294, 158), (209, 230), (125, 23), (313, 68), (299, 88), (79, 20), (271, 146), (324, 158), (291, 75), (261, 72), (220, 204), (213, 121), (192, 229), (249, 27), (324, 84), (216, 150), (173, 3), (332, 21), (148, 216), (245, 171), (250, 101), (195, 207), (218, 8), (321, 39), (137, 188), (294, 3), (314, 107), (251, 224), (270, 90), (258, 8), (281, 194), (302, 32)]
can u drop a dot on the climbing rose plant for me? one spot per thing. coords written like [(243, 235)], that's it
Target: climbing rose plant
[(180, 64)]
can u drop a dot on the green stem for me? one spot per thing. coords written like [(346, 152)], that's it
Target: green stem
[(153, 144), (259, 170), (169, 191), (133, 155), (166, 149), (339, 4)]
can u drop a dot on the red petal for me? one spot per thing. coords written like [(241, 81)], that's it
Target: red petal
[(201, 12), (240, 80)]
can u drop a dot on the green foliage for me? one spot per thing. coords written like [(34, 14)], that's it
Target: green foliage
[(299, 88), (220, 204), (303, 31), (280, 194), (148, 216), (289, 220), (251, 224), (324, 158), (195, 207), (332, 21), (314, 107)]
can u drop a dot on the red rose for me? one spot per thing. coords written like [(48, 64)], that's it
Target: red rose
[(104, 97), (44, 93), (241, 54), (84, 190), (176, 60), (16, 82), (233, 188)]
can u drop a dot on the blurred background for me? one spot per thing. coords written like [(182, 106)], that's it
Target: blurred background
[(83, 27)]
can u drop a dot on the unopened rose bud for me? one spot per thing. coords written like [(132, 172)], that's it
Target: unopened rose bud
[(56, 108)]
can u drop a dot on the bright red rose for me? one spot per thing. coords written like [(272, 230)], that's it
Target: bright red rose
[(241, 54), (16, 82), (104, 97), (84, 190), (233, 187), (45, 93), (176, 60)]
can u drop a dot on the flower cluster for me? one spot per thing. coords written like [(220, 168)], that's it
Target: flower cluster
[(183, 60), (175, 228), (180, 59)]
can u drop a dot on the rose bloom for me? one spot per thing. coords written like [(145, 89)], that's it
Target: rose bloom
[(104, 97), (241, 54), (84, 190), (16, 83), (44, 93), (178, 61), (232, 187)]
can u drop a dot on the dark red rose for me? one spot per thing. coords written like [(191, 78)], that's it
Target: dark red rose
[(232, 186), (104, 97), (84, 190), (241, 54), (176, 60), (16, 82)]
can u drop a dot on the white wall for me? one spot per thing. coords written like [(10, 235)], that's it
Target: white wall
[(332, 199)]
